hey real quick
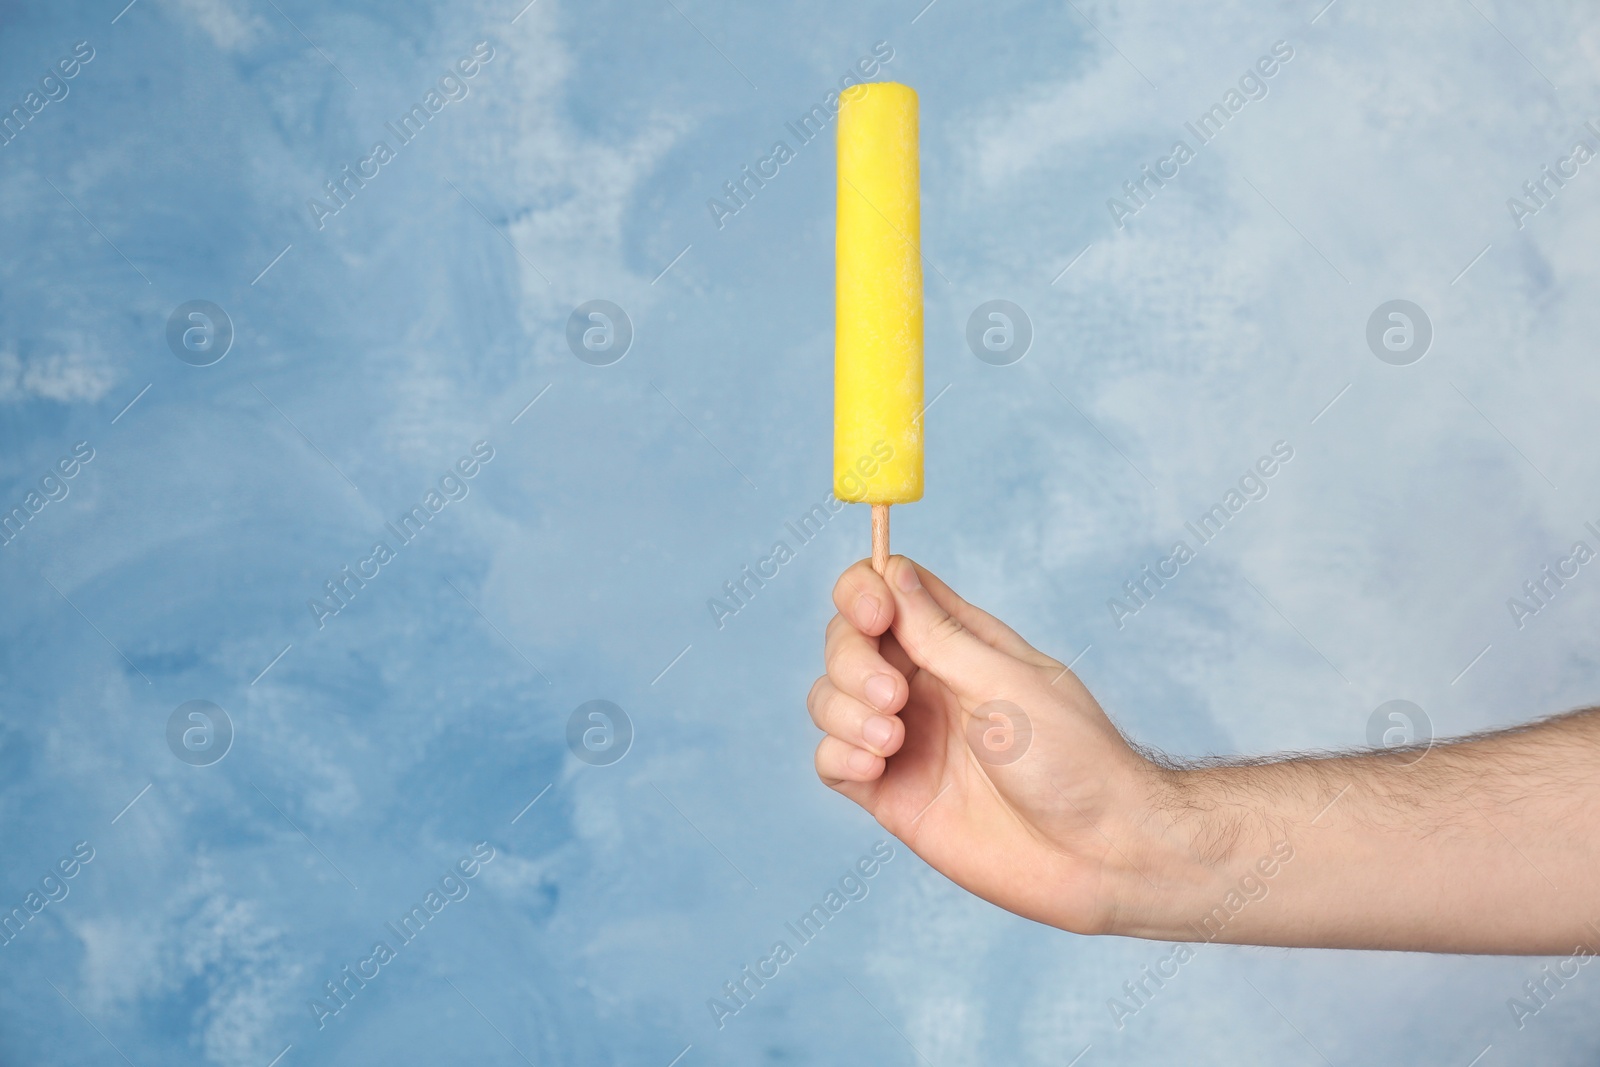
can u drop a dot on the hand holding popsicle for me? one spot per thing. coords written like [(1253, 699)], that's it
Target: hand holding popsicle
[(996, 766), (909, 662), (1000, 770), (975, 835)]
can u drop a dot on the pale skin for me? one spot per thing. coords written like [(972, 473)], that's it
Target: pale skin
[(1486, 844)]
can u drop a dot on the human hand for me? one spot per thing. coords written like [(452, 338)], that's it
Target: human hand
[(994, 764), (988, 758)]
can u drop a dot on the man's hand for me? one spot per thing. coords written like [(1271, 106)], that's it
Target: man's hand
[(985, 756), (995, 765)]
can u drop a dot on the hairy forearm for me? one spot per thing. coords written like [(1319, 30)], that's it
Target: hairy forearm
[(1487, 844)]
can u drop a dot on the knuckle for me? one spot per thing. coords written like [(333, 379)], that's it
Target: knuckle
[(945, 629), (852, 659), (814, 697), (840, 655), (833, 709)]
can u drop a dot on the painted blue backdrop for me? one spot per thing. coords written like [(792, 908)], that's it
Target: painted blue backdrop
[(308, 414)]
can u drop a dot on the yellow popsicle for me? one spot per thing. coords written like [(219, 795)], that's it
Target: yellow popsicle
[(877, 425)]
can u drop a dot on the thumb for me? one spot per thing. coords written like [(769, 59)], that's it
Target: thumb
[(937, 642)]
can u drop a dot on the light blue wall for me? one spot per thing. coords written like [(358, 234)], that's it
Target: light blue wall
[(1225, 315)]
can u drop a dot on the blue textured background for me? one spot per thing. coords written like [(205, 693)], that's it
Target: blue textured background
[(429, 311)]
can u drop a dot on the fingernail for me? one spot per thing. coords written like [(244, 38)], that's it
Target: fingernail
[(906, 578), (867, 610), (861, 761), (876, 731), (880, 690)]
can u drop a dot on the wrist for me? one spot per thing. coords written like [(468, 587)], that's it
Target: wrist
[(1199, 855)]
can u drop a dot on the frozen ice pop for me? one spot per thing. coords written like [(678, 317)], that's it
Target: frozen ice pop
[(877, 400)]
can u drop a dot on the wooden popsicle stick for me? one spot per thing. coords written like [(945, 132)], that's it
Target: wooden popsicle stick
[(880, 537)]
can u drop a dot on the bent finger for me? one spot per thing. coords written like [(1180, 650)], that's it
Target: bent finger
[(857, 665), (839, 762), (840, 715)]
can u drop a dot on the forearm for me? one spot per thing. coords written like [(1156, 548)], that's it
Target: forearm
[(1489, 844)]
